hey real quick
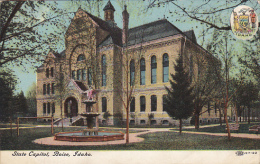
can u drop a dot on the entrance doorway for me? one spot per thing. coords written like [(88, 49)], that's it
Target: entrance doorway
[(71, 107)]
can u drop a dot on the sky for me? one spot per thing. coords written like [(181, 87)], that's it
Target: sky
[(26, 74)]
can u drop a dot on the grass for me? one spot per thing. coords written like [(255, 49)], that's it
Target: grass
[(153, 141), (243, 128)]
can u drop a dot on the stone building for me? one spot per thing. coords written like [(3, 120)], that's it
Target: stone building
[(104, 57)]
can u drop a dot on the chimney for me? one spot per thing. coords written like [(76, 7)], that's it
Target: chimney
[(125, 26)]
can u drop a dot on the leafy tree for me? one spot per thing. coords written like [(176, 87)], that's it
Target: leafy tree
[(7, 87), (180, 99), (22, 103)]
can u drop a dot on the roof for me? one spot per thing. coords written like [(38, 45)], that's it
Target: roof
[(109, 6), (81, 85), (111, 27), (152, 31)]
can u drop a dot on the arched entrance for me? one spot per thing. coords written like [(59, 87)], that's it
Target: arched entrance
[(71, 107)]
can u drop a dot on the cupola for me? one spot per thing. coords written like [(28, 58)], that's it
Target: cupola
[(109, 12)]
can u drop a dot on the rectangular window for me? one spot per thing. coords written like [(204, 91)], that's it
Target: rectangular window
[(153, 103), (132, 105), (53, 88), (104, 104), (153, 80), (142, 104), (44, 108), (84, 74), (48, 108), (44, 89), (53, 107), (48, 88), (165, 74)]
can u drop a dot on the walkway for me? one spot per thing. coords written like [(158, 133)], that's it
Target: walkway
[(134, 138)]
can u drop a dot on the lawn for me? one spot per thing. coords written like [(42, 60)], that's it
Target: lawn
[(243, 128), (153, 141)]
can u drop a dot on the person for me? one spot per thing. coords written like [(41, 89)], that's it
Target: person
[(236, 25), (253, 18)]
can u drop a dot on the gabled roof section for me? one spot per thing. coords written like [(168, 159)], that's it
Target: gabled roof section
[(111, 27), (152, 31), (191, 35), (81, 85)]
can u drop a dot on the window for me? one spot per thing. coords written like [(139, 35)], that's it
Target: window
[(142, 104), (47, 72), (132, 72), (79, 74), (165, 68), (142, 71), (153, 69), (89, 76), (53, 88), (132, 105), (153, 122), (53, 107), (153, 103), (49, 108), (103, 70), (44, 108), (84, 74), (142, 121), (44, 89), (165, 122), (164, 102), (74, 75), (52, 73), (48, 88), (132, 122), (104, 104), (81, 57)]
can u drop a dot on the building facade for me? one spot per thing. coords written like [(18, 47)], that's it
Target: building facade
[(101, 56)]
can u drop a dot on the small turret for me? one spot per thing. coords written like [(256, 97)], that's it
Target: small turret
[(125, 25), (109, 12)]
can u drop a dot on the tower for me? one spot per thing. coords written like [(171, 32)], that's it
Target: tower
[(109, 12)]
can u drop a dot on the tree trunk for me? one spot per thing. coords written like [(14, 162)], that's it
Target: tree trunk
[(61, 116), (197, 121), (127, 125), (226, 120), (248, 114), (220, 119), (180, 126)]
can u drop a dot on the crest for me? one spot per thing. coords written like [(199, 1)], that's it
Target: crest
[(244, 22)]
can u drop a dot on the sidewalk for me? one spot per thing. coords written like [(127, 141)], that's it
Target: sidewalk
[(134, 138)]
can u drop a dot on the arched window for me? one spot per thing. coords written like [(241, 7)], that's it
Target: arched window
[(103, 62), (132, 72), (104, 104), (53, 88), (79, 74), (153, 69), (81, 57), (142, 71), (74, 75), (52, 72), (165, 68), (47, 72), (48, 88), (164, 102), (84, 74), (132, 105), (89, 76), (142, 104), (153, 103), (44, 89)]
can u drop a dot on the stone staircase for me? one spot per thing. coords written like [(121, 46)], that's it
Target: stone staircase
[(77, 120)]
